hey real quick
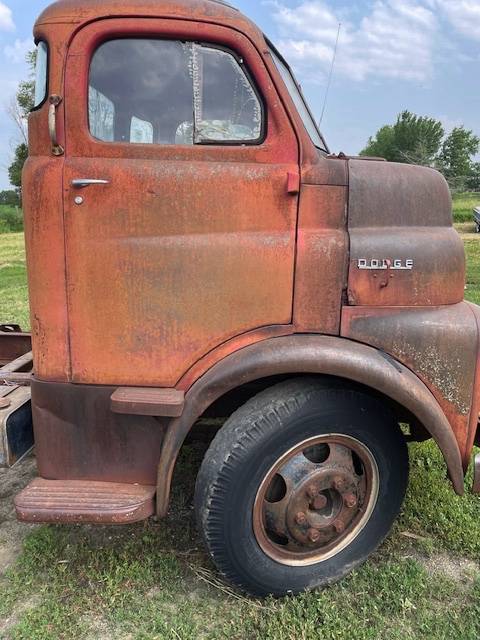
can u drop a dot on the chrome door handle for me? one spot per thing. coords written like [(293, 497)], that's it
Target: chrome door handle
[(85, 182)]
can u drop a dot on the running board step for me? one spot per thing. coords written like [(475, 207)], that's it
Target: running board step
[(65, 501), (148, 401)]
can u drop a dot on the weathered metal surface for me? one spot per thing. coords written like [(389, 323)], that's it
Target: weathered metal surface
[(20, 379), (70, 501), (13, 344), (314, 502), (21, 363), (191, 272), (16, 431), (326, 170), (400, 212), (45, 247), (238, 342), (310, 354), (476, 474), (15, 356), (437, 344), (321, 262), (475, 409), (77, 436), (148, 401)]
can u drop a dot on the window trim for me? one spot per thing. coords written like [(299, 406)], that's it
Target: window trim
[(208, 143), (47, 71), (325, 148)]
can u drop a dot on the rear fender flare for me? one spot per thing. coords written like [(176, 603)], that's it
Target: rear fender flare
[(309, 354)]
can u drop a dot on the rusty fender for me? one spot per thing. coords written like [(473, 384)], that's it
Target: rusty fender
[(309, 354)]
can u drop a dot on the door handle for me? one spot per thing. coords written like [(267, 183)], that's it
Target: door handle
[(86, 182), (54, 101)]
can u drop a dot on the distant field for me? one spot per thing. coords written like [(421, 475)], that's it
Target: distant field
[(463, 204)]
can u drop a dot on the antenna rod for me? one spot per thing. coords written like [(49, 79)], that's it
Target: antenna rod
[(331, 73)]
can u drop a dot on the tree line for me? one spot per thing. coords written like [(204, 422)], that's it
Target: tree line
[(422, 140)]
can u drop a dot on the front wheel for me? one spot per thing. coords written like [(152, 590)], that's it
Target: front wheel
[(299, 486)]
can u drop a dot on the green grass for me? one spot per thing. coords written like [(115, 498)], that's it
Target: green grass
[(13, 281), (153, 580), (472, 252), (11, 219), (463, 205)]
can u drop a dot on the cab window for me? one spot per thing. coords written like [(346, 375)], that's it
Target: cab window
[(144, 91), (41, 70)]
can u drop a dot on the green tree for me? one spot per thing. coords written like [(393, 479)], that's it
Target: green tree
[(473, 180), (455, 158), (382, 145), (19, 110), (9, 197), (412, 139), (15, 169)]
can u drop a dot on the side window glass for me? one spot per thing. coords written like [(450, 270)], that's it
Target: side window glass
[(226, 105), (141, 131), (101, 114), (41, 70), (169, 92)]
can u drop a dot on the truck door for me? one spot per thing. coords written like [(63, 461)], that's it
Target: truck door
[(180, 228)]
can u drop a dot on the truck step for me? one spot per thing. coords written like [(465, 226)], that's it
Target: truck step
[(148, 401), (84, 501)]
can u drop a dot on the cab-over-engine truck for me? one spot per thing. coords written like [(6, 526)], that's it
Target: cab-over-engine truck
[(194, 249)]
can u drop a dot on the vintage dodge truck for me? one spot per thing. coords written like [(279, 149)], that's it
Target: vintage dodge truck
[(193, 250)]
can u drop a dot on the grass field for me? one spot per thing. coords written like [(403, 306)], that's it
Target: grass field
[(463, 204), (153, 580), (13, 280), (10, 219)]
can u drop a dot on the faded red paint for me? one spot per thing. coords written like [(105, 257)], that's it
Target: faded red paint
[(322, 244), (434, 342), (155, 282)]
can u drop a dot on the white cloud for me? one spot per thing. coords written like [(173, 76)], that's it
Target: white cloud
[(464, 15), (394, 40), (18, 51), (6, 20)]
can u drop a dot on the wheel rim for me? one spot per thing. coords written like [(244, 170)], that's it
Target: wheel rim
[(316, 499)]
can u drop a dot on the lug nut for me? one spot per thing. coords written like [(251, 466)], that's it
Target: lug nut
[(339, 526), (312, 491), (313, 535), (350, 500), (301, 518), (320, 502), (338, 483)]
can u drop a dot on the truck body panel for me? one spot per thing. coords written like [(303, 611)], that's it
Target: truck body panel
[(202, 266)]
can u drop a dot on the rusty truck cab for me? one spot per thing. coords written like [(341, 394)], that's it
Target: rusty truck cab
[(189, 236)]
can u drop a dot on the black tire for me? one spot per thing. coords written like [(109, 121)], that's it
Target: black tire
[(247, 446)]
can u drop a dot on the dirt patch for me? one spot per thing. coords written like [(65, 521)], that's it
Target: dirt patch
[(20, 609), (13, 532), (461, 570)]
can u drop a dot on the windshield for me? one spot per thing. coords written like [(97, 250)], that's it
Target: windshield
[(300, 103)]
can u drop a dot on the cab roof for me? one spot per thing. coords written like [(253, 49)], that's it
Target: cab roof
[(79, 11)]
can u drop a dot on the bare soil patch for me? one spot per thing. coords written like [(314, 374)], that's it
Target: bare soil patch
[(13, 532)]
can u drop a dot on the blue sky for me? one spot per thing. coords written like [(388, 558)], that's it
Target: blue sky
[(421, 55)]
